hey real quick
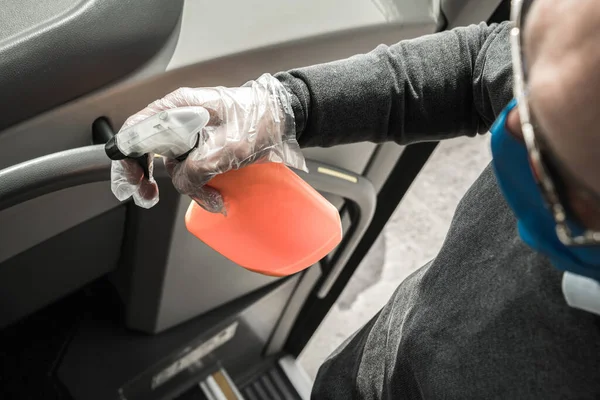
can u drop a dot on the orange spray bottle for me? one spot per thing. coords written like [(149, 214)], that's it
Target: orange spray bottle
[(275, 223)]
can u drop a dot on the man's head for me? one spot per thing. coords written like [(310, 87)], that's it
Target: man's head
[(561, 44)]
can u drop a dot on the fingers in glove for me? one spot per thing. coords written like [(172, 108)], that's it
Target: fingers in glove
[(189, 174), (210, 199), (148, 190), (170, 164), (125, 178), (132, 171), (190, 179)]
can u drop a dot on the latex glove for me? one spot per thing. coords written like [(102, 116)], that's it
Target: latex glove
[(249, 124)]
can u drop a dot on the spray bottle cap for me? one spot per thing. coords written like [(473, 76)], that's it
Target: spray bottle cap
[(171, 133)]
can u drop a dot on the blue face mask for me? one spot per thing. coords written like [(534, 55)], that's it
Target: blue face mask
[(535, 222)]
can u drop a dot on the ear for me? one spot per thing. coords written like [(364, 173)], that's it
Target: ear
[(513, 124)]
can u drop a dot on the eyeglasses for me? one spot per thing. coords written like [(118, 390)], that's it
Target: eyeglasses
[(546, 184)]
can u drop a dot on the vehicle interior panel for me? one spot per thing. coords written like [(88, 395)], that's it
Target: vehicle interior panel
[(53, 52), (95, 293)]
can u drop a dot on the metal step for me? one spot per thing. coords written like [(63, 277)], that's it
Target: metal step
[(270, 385), (283, 379)]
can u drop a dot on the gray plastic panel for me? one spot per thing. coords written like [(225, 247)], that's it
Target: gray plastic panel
[(58, 266), (68, 127), (305, 285), (49, 247), (28, 224), (198, 279), (248, 25), (382, 162), (352, 157), (55, 51), (466, 12)]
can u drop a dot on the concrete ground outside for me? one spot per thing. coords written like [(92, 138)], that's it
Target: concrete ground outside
[(411, 238)]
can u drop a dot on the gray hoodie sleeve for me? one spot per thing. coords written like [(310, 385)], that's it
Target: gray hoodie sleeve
[(430, 88)]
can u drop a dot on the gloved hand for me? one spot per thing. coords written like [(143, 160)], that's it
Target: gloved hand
[(250, 124)]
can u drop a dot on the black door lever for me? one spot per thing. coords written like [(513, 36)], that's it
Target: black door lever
[(103, 133)]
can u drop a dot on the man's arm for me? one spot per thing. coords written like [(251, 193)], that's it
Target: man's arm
[(434, 87)]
